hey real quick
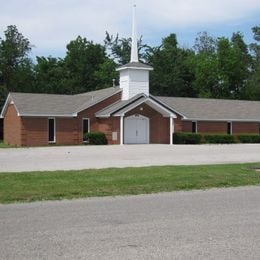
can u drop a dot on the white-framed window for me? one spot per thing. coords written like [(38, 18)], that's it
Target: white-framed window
[(51, 130), (85, 127), (194, 128)]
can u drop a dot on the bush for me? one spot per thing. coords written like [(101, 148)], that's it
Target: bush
[(248, 138), (96, 138), (186, 138), (219, 139)]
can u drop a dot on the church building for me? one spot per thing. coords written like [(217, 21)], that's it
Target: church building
[(127, 114)]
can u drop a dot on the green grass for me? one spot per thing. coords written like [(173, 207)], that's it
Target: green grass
[(33, 186), (3, 145)]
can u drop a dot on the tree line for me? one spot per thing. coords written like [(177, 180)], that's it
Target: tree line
[(214, 67)]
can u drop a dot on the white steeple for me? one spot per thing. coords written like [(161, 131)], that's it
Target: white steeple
[(134, 49), (134, 76)]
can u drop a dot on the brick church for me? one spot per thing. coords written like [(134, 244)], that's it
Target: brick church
[(127, 114)]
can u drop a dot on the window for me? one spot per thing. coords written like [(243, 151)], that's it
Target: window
[(85, 127), (229, 128), (51, 130), (194, 127)]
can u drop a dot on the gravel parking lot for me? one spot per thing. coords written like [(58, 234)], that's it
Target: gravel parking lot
[(85, 157)]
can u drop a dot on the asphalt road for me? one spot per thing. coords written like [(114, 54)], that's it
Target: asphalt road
[(83, 157), (212, 224)]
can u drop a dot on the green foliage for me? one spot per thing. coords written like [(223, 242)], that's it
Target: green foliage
[(172, 75), (16, 68), (95, 138), (213, 68), (219, 139), (187, 138), (248, 138), (193, 138)]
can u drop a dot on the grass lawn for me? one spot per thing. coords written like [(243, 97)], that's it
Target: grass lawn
[(32, 186), (2, 145)]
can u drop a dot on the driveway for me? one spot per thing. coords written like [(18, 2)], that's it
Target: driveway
[(212, 224), (84, 157)]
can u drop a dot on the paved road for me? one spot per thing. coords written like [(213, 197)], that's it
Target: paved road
[(83, 157), (212, 224)]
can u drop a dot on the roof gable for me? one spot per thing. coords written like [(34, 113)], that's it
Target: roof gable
[(29, 104)]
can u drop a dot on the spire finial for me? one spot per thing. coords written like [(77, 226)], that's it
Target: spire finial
[(134, 50)]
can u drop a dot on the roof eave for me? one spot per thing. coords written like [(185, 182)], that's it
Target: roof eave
[(221, 119), (48, 115), (133, 67)]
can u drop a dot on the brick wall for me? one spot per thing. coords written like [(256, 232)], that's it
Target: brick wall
[(249, 128), (98, 124), (67, 131), (34, 131), (12, 126), (212, 127)]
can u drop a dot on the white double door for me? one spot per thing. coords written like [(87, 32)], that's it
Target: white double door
[(136, 130)]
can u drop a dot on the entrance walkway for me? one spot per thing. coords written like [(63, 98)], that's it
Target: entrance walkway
[(83, 157)]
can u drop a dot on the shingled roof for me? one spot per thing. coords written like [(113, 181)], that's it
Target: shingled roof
[(213, 109), (28, 104), (189, 108)]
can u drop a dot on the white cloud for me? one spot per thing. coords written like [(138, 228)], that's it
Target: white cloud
[(51, 24)]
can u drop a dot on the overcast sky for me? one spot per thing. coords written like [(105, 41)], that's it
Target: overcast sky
[(51, 24)]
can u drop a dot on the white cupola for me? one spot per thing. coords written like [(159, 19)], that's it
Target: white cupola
[(134, 76)]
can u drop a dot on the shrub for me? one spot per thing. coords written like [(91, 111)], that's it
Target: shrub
[(186, 138), (96, 138), (219, 139), (248, 138)]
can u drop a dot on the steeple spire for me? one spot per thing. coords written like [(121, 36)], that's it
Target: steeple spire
[(134, 50)]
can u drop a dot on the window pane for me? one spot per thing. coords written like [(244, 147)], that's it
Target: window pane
[(85, 128), (51, 130), (194, 127), (229, 128)]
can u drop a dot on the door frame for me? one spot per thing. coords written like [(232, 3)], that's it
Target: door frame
[(148, 126)]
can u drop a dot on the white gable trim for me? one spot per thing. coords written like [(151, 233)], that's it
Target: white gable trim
[(131, 106), (8, 101)]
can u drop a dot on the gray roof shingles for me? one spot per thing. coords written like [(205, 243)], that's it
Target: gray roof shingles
[(190, 108), (60, 105), (215, 109)]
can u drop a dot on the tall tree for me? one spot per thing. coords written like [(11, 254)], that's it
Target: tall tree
[(82, 60), (15, 64), (51, 76), (16, 68), (252, 90), (119, 49), (205, 66), (171, 75)]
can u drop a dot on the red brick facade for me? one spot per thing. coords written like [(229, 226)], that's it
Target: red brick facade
[(33, 131)]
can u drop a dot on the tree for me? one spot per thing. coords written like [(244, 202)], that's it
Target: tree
[(172, 75), (252, 90), (15, 64), (83, 59), (16, 73), (119, 49), (205, 66), (51, 76)]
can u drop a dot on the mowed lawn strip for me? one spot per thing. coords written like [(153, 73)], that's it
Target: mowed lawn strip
[(33, 186)]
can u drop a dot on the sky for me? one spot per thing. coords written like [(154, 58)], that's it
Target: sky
[(51, 24)]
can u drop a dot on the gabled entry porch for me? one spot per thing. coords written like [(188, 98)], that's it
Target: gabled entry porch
[(143, 120)]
